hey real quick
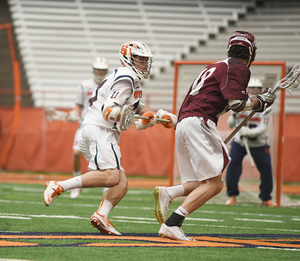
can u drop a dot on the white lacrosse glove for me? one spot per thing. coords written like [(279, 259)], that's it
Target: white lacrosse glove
[(73, 116), (245, 131), (164, 115), (143, 124)]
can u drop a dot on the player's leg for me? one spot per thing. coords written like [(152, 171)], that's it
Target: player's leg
[(76, 163), (234, 171), (262, 158), (202, 162), (110, 199)]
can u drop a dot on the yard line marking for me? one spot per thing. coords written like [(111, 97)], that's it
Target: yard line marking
[(278, 248), (259, 220), (205, 219), (14, 217), (144, 220)]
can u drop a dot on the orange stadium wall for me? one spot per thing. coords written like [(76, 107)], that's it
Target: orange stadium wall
[(47, 147)]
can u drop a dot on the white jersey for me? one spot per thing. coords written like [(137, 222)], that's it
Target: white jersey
[(258, 125), (85, 90), (122, 86)]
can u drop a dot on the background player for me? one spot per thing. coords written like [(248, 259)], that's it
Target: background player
[(201, 154), (99, 141), (256, 135), (85, 89)]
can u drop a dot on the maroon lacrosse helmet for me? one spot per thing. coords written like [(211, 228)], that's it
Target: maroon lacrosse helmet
[(245, 39)]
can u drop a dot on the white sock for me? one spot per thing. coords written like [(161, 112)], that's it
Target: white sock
[(181, 211), (175, 191), (76, 173), (105, 208), (71, 183)]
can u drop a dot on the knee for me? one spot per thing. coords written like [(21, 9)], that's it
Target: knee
[(123, 187), (76, 154), (217, 185), (113, 177)]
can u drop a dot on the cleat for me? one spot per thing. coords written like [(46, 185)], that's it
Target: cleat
[(75, 193), (103, 224), (161, 203), (173, 232), (52, 191), (268, 203), (231, 201)]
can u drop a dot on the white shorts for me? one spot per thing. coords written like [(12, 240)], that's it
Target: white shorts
[(100, 147), (201, 153), (76, 139)]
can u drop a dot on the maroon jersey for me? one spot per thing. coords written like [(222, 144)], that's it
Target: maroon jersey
[(208, 96)]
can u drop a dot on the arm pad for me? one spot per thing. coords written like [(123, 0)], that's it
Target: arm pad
[(110, 111)]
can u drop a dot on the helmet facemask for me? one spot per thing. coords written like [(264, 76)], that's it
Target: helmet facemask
[(100, 69)]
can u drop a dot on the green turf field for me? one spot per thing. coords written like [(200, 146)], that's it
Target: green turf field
[(31, 231)]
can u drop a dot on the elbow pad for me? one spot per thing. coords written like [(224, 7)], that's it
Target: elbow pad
[(110, 111)]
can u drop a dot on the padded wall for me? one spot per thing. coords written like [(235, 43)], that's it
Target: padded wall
[(47, 147)]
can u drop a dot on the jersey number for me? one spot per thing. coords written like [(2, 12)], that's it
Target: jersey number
[(205, 74)]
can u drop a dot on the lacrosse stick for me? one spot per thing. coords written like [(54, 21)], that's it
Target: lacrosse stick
[(292, 80), (128, 117), (53, 114), (248, 151)]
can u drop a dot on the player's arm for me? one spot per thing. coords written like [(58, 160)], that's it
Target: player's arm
[(258, 103), (119, 93), (74, 115)]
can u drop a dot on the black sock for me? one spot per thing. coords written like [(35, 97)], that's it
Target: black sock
[(175, 220)]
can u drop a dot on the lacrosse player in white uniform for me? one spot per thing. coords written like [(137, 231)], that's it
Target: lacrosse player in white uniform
[(201, 154), (101, 130), (85, 89), (254, 133)]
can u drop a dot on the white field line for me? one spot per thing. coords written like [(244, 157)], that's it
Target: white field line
[(259, 220), (277, 248), (145, 221), (295, 218), (13, 217)]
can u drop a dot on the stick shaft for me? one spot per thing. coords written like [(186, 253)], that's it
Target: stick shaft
[(239, 127), (148, 118), (248, 151)]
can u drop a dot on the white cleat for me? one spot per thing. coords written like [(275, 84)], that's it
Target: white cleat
[(75, 193), (174, 232), (103, 224), (52, 191), (161, 203)]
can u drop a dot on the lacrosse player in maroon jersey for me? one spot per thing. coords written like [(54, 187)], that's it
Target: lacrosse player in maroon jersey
[(99, 141), (202, 155), (85, 89), (254, 133)]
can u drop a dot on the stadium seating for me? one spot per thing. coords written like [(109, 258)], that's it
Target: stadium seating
[(59, 39)]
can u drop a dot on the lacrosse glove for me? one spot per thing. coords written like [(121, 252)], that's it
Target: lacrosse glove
[(266, 99), (73, 116), (143, 124), (161, 114)]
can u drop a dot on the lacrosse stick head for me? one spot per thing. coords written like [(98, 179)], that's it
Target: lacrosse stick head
[(53, 114), (292, 80), (126, 119)]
